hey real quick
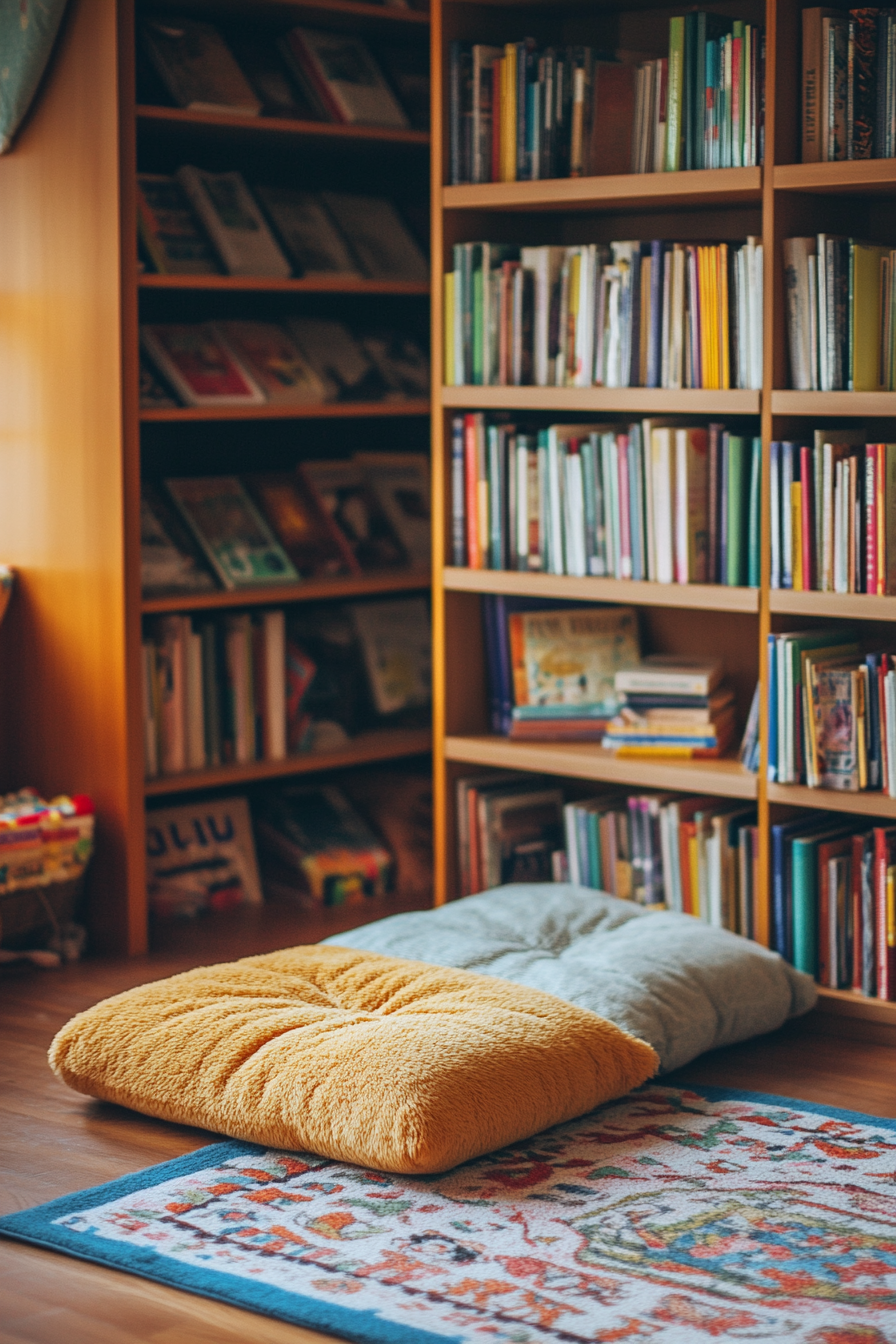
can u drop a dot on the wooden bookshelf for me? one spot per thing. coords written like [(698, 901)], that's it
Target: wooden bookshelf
[(309, 590), (639, 191), (354, 14), (261, 284), (706, 596), (866, 804), (861, 177), (312, 410), (624, 400), (822, 404), (224, 125), (842, 606)]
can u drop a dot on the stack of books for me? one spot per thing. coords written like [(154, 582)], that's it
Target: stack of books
[(832, 712), (627, 314), (509, 829), (661, 502), (841, 314), (703, 104), (244, 686), (672, 706), (834, 901), (833, 514), (849, 93)]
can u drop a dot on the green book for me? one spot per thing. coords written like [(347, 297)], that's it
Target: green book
[(675, 95), (736, 511), (592, 830), (804, 903), (753, 515)]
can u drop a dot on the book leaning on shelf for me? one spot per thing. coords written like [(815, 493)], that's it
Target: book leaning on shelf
[(848, 88), (661, 502), (631, 314)]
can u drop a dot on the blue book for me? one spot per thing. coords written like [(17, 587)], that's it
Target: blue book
[(496, 478), (781, 931)]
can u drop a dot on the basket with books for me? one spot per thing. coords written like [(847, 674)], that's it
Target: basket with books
[(44, 851)]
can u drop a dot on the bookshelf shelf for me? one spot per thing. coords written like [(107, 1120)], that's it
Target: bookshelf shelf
[(820, 404), (313, 410), (626, 400), (331, 13), (849, 606), (709, 597), (644, 191), (861, 177), (846, 1003), (584, 760), (312, 590), (318, 284), (232, 128), (863, 804), (379, 745)]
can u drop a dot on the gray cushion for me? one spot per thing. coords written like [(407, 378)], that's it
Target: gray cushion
[(669, 979)]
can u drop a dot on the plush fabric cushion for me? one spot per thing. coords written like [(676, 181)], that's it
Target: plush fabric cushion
[(368, 1059), (668, 979)]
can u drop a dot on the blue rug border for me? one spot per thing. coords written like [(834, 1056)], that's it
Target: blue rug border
[(34, 1226)]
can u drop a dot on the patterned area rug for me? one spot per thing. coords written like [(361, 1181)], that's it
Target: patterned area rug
[(670, 1216)]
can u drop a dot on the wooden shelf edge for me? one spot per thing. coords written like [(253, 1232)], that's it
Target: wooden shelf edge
[(845, 1003), (708, 597), (318, 284), (848, 606), (353, 9), (860, 176), (279, 126), (870, 804), (382, 745), (316, 410), (788, 402), (585, 760), (707, 186), (312, 590), (626, 400)]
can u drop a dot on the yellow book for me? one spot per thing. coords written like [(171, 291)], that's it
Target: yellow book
[(575, 275), (796, 530), (702, 301), (714, 313), (708, 320), (630, 751), (508, 114), (448, 328), (694, 861), (725, 378), (891, 907), (858, 700), (865, 261)]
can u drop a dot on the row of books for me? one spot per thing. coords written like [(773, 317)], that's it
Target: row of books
[(631, 314), (703, 104), (322, 520), (832, 711), (304, 361), (671, 504), (841, 314), (694, 855), (848, 85), (305, 74), (243, 687), (201, 223), (833, 514), (833, 901)]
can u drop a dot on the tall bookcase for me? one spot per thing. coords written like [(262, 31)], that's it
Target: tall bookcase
[(74, 441), (778, 200)]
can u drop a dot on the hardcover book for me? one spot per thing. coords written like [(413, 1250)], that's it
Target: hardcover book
[(309, 237), (197, 67), (201, 856), (400, 482), (154, 395), (232, 533), (167, 562), (396, 645), (337, 358), (400, 362), (168, 228), (262, 65), (571, 657), (308, 534), (345, 77), (266, 351), (342, 490), (234, 223), (199, 365), (377, 236)]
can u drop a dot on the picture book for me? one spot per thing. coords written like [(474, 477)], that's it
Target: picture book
[(265, 349), (378, 237), (167, 562), (168, 229), (197, 67), (199, 365), (341, 488), (571, 657), (344, 76), (233, 221), (396, 645), (520, 829), (307, 533), (306, 232), (320, 842), (336, 357), (201, 856), (400, 482), (232, 533)]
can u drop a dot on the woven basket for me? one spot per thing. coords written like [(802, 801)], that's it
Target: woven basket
[(25, 919)]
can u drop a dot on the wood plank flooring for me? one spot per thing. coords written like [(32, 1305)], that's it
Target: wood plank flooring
[(53, 1141)]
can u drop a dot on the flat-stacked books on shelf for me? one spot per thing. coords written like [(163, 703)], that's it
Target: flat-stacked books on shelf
[(627, 314), (848, 88), (841, 314), (201, 223), (672, 706), (656, 501), (519, 114), (242, 686), (833, 901), (832, 712), (833, 513)]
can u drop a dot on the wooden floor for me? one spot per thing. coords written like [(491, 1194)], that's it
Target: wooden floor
[(53, 1141)]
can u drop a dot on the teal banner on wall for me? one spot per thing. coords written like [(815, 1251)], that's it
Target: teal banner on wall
[(28, 29)]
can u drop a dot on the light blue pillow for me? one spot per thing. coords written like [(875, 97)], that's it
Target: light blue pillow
[(669, 979), (27, 33)]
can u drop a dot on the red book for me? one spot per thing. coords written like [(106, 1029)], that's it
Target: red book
[(807, 502), (858, 849), (687, 831), (471, 492), (884, 854), (871, 518)]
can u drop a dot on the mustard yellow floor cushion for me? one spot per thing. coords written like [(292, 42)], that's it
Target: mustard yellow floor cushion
[(392, 1064)]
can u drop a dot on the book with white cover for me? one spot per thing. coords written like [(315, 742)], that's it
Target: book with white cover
[(799, 263), (345, 76), (396, 646), (234, 223), (378, 237), (669, 674)]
